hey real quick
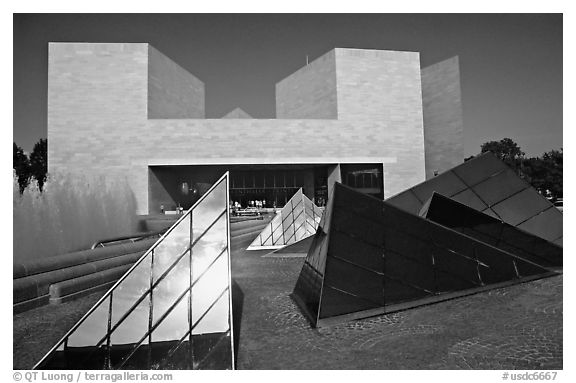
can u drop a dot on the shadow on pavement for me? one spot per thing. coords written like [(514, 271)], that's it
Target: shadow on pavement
[(237, 306)]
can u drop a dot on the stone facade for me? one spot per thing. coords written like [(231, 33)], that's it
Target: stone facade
[(117, 109), (172, 91), (383, 87), (444, 127), (310, 92)]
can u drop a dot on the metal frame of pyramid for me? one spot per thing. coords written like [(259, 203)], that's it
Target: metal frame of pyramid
[(297, 220), (485, 228), (171, 310), (488, 185), (369, 258)]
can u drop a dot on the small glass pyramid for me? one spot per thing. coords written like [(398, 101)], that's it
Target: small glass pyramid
[(297, 220), (171, 310)]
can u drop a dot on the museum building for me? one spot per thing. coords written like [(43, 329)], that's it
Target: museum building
[(372, 119)]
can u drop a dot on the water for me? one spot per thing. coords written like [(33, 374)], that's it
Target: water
[(70, 214)]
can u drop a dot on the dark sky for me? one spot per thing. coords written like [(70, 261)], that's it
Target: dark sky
[(511, 65)]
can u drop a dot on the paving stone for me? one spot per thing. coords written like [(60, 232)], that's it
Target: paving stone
[(517, 327)]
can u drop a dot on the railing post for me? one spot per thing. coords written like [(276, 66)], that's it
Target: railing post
[(293, 218), (151, 308), (107, 361), (190, 339)]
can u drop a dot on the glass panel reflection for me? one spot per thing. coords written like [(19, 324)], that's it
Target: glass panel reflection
[(93, 328), (134, 286), (210, 276), (175, 324), (380, 258), (485, 228), (172, 247), (297, 220), (169, 289), (134, 326), (172, 310), (491, 187)]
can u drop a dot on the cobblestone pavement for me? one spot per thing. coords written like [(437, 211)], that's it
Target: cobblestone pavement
[(36, 331), (518, 327)]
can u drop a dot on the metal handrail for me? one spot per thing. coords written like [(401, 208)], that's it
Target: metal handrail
[(132, 238)]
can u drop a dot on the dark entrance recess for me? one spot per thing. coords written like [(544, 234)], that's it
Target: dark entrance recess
[(171, 186)]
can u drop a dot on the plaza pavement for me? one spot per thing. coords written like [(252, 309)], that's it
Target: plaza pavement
[(517, 327)]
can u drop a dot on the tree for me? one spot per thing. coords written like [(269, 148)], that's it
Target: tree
[(507, 150), (39, 161), (545, 173), (554, 181), (21, 165)]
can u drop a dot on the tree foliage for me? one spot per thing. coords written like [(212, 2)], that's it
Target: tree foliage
[(507, 150), (543, 173), (21, 166), (39, 161), (35, 166)]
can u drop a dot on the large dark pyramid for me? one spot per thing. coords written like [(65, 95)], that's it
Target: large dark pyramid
[(492, 231), (171, 310), (488, 185), (369, 257)]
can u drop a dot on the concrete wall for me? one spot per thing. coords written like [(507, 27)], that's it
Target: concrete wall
[(96, 92), (197, 142), (98, 108), (310, 92), (172, 91), (383, 87), (379, 85), (443, 123), (158, 195)]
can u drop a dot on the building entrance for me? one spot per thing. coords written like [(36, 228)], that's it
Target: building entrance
[(271, 187), (179, 186)]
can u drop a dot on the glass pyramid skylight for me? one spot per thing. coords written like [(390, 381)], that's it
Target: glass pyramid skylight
[(297, 220), (171, 310), (488, 185), (369, 257)]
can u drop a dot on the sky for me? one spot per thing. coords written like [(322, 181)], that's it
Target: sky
[(510, 64)]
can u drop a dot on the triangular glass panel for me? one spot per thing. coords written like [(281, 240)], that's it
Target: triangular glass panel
[(487, 184), (172, 309), (297, 220), (309, 285), (370, 257), (485, 228)]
